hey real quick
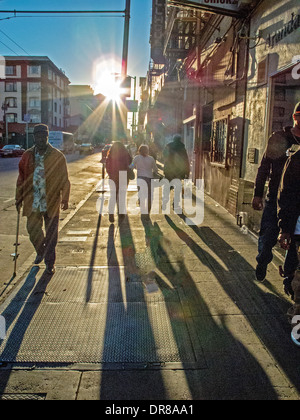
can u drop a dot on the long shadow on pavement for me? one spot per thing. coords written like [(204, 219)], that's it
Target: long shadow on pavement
[(264, 311), (232, 372), (23, 307), (268, 317)]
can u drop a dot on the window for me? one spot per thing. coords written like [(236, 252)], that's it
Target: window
[(11, 118), (11, 102), (34, 87), (10, 70), (10, 87), (262, 71), (219, 141), (34, 102), (35, 116), (34, 70)]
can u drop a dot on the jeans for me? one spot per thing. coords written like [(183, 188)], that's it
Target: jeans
[(44, 244), (269, 232)]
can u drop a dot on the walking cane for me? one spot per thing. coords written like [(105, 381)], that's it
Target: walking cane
[(15, 255)]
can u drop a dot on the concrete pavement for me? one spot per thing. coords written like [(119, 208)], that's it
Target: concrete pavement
[(149, 310)]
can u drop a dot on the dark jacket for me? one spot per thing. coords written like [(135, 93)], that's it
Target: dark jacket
[(117, 161), (176, 161), (273, 162), (57, 180), (289, 194)]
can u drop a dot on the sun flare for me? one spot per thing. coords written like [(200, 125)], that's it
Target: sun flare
[(106, 80)]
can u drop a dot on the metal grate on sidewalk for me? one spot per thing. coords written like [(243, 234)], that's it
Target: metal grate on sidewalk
[(94, 315), (23, 397)]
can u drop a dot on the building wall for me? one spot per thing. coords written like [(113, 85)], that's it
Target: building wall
[(268, 19), (266, 110)]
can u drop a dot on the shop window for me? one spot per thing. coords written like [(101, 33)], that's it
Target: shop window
[(285, 94), (219, 142)]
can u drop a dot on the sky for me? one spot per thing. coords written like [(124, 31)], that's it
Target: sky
[(78, 45)]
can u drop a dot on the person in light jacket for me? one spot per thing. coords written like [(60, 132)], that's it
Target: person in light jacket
[(146, 171), (43, 189)]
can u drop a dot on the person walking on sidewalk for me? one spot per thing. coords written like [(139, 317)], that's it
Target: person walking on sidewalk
[(146, 170), (289, 220), (118, 160), (43, 188), (176, 166), (271, 168)]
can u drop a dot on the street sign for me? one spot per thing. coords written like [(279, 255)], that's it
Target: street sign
[(27, 118)]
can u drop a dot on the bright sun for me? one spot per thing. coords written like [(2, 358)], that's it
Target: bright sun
[(108, 86), (106, 80)]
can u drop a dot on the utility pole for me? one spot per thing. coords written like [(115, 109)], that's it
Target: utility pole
[(126, 40), (4, 109)]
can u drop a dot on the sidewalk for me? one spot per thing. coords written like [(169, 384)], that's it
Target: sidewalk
[(149, 310)]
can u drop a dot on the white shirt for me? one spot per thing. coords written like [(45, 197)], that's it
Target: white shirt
[(145, 166), (39, 185)]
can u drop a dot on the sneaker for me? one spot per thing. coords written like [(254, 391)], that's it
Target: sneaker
[(50, 270), (38, 260), (261, 272)]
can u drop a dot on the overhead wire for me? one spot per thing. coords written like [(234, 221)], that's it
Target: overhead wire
[(14, 42), (9, 48)]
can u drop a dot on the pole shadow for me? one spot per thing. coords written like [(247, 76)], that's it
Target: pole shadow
[(128, 338)]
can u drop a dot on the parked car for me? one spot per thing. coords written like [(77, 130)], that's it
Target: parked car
[(12, 150), (86, 149)]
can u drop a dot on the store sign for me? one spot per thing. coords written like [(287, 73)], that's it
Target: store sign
[(287, 29), (224, 4), (158, 30), (214, 5)]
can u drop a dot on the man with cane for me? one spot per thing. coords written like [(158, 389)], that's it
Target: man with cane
[(43, 188)]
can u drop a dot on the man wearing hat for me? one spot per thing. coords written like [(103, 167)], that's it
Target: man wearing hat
[(43, 188), (271, 168)]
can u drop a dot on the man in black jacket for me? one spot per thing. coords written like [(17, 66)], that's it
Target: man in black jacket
[(176, 167), (289, 218), (271, 168)]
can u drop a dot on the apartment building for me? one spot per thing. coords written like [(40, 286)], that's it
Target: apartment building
[(32, 90)]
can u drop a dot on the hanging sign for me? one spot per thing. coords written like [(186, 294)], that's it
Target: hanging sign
[(158, 30), (223, 7)]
